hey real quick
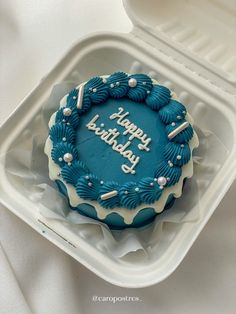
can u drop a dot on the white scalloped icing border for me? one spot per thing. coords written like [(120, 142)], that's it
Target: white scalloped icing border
[(128, 215)]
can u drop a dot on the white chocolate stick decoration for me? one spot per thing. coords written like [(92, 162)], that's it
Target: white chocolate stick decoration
[(80, 97), (108, 195), (176, 131)]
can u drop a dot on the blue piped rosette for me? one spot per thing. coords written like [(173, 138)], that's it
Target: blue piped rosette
[(108, 197)]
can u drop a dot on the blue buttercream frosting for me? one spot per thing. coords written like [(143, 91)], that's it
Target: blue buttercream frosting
[(168, 170), (72, 120), (72, 173), (178, 154), (91, 170), (60, 149), (184, 136), (113, 201), (88, 187), (172, 112), (62, 133), (149, 190), (118, 84), (114, 220), (97, 90), (144, 85), (87, 103), (71, 100), (129, 195), (159, 97)]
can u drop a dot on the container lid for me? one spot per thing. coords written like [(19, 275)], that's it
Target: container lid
[(201, 34)]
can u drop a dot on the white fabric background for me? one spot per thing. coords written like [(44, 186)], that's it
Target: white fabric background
[(37, 277)]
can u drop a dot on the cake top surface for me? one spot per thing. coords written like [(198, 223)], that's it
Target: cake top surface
[(111, 135), (120, 140)]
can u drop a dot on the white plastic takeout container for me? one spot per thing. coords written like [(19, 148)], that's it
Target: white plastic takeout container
[(188, 46)]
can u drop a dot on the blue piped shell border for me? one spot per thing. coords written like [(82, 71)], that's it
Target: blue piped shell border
[(139, 88)]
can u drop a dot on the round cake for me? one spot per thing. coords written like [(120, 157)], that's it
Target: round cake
[(120, 148)]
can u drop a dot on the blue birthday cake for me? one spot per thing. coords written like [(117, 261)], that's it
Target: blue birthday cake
[(120, 148)]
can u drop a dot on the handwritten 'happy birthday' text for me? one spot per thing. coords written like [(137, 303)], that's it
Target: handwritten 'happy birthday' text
[(110, 137)]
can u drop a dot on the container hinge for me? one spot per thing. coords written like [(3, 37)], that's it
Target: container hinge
[(162, 49)]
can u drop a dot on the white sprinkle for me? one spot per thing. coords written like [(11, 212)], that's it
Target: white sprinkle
[(179, 117), (87, 177), (102, 125), (179, 157), (161, 187), (59, 174), (94, 90), (108, 195), (60, 158), (170, 163), (112, 85), (168, 179), (184, 112), (151, 184), (74, 97), (178, 130), (173, 123), (68, 123), (101, 182), (148, 92), (117, 83), (63, 120), (136, 189), (64, 139), (155, 179), (90, 184), (104, 80), (90, 89), (126, 192), (182, 145), (69, 164), (144, 83), (132, 82)]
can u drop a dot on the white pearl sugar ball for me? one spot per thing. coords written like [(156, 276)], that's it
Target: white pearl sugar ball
[(68, 157), (67, 112), (162, 181), (132, 82)]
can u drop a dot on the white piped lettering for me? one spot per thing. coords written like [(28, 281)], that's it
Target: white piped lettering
[(131, 129), (110, 137)]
